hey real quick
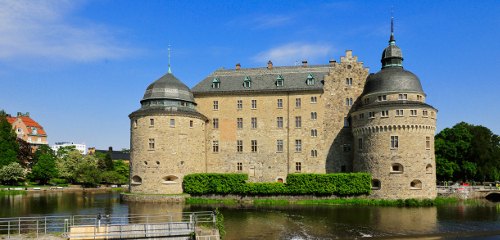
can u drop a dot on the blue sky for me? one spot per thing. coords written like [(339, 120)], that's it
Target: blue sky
[(80, 67)]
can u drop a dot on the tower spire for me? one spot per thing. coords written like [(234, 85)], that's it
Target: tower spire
[(169, 69), (392, 41)]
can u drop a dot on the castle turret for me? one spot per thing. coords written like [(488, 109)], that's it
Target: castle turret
[(394, 130), (167, 138)]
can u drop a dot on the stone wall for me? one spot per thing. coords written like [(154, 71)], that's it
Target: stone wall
[(178, 150)]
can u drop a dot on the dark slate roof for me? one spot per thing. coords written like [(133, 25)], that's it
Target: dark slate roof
[(391, 104), (116, 155), (168, 87), (264, 80), (392, 79)]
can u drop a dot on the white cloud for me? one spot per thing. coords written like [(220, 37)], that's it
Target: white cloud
[(290, 53), (42, 29)]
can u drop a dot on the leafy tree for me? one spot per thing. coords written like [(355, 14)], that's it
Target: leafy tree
[(87, 172), (121, 168), (8, 144), (468, 152), (45, 166), (11, 174), (25, 154), (67, 163), (113, 177)]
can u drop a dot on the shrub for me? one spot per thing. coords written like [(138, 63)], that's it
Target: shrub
[(329, 184), (214, 183)]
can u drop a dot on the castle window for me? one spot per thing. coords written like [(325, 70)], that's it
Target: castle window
[(413, 112), (348, 102), (367, 100), (298, 122), (172, 122), (428, 143), (394, 142), (348, 81), (170, 179), (215, 146), (419, 97), (239, 123), (298, 167), (280, 103), (216, 105), (247, 83), (254, 122), (191, 123), (425, 113), (280, 81), (151, 144), (376, 184), (254, 104), (361, 116), (151, 122), (385, 113), (360, 143), (371, 114), (314, 153), (215, 123), (280, 180), (314, 115), (314, 132), (239, 145), (416, 184), (298, 145), (343, 168), (432, 116), (239, 104), (298, 102), (136, 180), (279, 122), (382, 98), (279, 145), (346, 122), (428, 169), (216, 83), (403, 96), (346, 147), (314, 99), (135, 126), (310, 79), (396, 168), (399, 112), (239, 167), (254, 145)]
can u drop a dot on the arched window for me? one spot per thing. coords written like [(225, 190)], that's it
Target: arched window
[(136, 180), (397, 168), (310, 79), (376, 185), (280, 180), (416, 184), (170, 179), (247, 83), (428, 169)]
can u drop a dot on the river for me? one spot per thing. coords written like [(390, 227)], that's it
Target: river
[(480, 220)]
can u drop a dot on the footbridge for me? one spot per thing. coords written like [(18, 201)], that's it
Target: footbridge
[(491, 193), (178, 226)]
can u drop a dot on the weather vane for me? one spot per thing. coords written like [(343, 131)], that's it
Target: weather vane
[(169, 69)]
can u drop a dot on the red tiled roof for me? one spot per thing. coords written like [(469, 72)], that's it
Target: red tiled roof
[(29, 124), (11, 120)]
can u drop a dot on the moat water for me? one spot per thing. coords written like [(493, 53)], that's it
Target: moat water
[(480, 220)]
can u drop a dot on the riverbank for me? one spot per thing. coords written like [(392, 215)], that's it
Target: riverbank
[(70, 188)]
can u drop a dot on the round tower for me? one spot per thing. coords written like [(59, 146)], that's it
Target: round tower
[(394, 130), (166, 138)]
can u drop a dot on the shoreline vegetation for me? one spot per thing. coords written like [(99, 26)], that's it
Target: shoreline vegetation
[(334, 201), (22, 190)]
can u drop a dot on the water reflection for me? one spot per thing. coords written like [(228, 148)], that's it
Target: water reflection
[(281, 222)]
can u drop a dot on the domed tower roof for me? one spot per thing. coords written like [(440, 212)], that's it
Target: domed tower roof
[(392, 77), (168, 87)]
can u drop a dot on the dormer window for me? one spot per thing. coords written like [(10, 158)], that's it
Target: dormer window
[(216, 83), (280, 81), (34, 130), (310, 79), (247, 83)]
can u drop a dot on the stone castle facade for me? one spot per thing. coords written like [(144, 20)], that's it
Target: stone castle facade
[(273, 121)]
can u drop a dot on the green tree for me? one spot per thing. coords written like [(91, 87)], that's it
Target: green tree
[(12, 174), (87, 172), (113, 177), (474, 149), (67, 163), (44, 168), (8, 144), (122, 168)]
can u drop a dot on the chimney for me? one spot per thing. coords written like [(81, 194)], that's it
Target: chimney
[(27, 114), (110, 149), (238, 66), (304, 63), (269, 65), (348, 53), (332, 62), (19, 114)]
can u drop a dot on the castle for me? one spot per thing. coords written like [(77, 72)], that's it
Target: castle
[(273, 121)]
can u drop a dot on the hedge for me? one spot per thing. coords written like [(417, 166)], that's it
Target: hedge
[(297, 184)]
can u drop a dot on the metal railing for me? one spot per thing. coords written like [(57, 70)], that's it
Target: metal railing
[(109, 226)]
